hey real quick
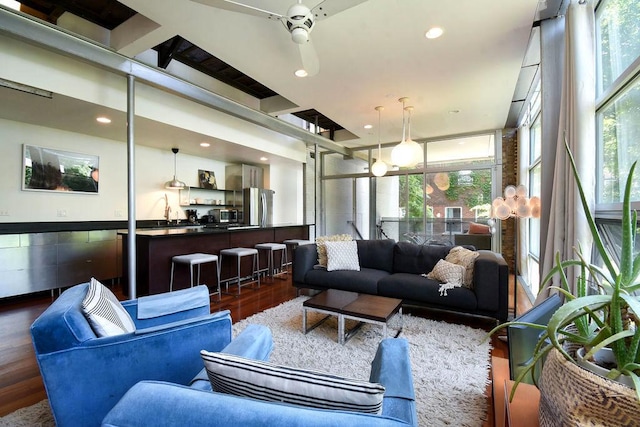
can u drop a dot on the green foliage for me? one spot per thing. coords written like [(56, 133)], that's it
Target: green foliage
[(474, 191)]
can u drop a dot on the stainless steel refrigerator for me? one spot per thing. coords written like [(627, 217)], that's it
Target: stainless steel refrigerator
[(257, 206)]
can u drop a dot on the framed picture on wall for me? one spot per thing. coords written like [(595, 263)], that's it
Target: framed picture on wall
[(207, 179), (50, 169)]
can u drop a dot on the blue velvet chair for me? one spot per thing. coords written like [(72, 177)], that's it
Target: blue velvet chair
[(85, 376), (162, 404)]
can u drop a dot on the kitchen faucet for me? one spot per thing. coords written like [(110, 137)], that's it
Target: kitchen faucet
[(167, 209)]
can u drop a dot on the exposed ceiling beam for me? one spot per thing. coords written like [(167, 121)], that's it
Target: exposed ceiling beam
[(23, 27)]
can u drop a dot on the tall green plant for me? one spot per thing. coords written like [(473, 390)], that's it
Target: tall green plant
[(607, 318)]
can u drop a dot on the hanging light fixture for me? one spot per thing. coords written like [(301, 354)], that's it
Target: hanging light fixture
[(408, 153), (175, 183), (379, 168)]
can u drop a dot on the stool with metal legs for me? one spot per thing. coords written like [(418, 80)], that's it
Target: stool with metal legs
[(195, 259), (292, 244), (239, 253), (271, 248)]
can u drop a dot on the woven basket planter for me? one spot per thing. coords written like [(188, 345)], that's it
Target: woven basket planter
[(573, 396)]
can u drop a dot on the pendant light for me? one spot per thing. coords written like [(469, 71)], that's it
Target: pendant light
[(408, 153), (175, 183), (379, 168)]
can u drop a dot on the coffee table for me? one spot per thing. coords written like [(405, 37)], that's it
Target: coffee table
[(363, 308)]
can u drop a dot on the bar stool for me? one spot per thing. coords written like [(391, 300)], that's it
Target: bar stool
[(271, 248), (292, 244), (195, 259), (238, 253)]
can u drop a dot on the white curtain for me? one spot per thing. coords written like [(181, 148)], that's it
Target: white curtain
[(567, 224)]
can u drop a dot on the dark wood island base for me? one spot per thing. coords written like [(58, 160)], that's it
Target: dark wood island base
[(156, 247)]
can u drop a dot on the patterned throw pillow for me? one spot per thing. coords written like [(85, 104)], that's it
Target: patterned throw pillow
[(342, 256), (465, 258), (448, 274), (104, 312), (266, 381), (322, 249)]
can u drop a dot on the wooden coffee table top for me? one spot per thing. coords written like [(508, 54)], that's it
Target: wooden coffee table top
[(362, 306)]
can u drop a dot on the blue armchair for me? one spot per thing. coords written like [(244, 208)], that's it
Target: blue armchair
[(85, 376), (162, 404)]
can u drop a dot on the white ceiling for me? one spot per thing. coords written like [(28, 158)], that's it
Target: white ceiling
[(372, 54)]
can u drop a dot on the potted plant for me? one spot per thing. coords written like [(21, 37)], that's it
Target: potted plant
[(602, 313)]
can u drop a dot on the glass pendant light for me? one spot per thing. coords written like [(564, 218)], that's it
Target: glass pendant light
[(408, 153), (175, 183), (379, 168)]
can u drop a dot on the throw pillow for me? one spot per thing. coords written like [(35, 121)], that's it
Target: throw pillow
[(266, 381), (342, 256), (466, 258), (475, 228), (104, 312), (322, 249), (450, 275)]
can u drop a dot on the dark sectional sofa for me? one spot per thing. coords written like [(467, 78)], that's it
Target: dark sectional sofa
[(394, 270)]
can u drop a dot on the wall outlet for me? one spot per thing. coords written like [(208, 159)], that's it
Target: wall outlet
[(62, 213), (4, 212), (117, 213)]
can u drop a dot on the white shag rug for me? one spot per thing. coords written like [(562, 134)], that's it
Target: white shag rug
[(450, 362)]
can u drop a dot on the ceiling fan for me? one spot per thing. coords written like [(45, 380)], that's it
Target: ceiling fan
[(299, 21)]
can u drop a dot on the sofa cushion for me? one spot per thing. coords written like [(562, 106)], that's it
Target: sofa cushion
[(466, 258), (419, 289), (475, 228), (417, 259), (342, 256), (376, 254), (266, 381), (450, 275), (104, 312), (322, 249), (365, 280)]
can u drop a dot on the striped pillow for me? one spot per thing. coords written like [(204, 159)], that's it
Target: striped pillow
[(104, 312), (266, 381)]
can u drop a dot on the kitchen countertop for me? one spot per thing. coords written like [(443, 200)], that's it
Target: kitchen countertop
[(190, 229)]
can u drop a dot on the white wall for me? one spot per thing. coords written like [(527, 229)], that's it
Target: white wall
[(27, 64), (153, 168)]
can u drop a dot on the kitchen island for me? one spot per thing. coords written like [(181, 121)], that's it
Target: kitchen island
[(155, 247)]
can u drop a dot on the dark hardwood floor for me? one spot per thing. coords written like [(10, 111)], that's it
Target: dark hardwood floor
[(20, 381)]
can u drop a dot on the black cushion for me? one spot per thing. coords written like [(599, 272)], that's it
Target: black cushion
[(417, 259), (376, 254), (412, 287), (365, 280)]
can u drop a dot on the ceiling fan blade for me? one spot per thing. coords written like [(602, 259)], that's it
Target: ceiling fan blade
[(235, 6), (309, 57), (328, 8)]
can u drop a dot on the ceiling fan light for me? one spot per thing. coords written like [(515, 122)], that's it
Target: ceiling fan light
[(301, 73), (299, 35)]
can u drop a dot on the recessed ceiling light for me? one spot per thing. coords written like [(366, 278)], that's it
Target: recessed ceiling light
[(434, 33), (368, 126), (205, 144), (263, 158), (301, 73), (103, 119)]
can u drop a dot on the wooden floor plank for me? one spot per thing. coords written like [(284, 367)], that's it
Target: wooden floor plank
[(20, 381)]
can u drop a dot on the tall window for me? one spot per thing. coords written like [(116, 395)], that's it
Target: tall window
[(617, 112), (533, 241), (618, 103)]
